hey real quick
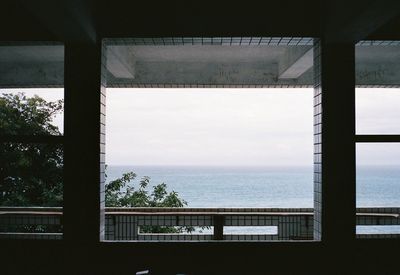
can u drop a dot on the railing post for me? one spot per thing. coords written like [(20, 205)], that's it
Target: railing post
[(218, 221)]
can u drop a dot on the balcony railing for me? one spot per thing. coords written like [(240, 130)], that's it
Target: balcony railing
[(126, 224), (280, 224)]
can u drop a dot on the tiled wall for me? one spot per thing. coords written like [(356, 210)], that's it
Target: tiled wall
[(317, 141), (102, 139), (228, 41)]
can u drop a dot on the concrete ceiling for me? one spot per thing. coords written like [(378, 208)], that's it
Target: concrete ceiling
[(193, 65), (187, 65)]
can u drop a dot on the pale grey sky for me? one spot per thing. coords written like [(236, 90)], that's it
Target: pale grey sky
[(264, 127), (378, 112)]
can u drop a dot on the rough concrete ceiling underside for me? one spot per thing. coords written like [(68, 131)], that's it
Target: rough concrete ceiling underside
[(200, 62)]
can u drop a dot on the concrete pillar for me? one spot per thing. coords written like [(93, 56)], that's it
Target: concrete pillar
[(334, 154), (84, 143)]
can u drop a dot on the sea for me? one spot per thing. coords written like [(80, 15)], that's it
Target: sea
[(284, 187)]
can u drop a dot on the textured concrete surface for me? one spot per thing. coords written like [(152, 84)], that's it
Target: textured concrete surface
[(196, 65)]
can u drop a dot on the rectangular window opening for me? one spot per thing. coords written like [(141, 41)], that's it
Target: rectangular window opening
[(31, 140), (199, 127), (377, 133)]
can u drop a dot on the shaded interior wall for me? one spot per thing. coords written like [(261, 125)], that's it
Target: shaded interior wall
[(81, 252)]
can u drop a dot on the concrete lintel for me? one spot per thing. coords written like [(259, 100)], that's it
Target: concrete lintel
[(23, 75)]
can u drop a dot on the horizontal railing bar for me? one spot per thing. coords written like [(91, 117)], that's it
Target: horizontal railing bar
[(195, 213), (211, 213), (29, 208), (31, 213), (188, 209), (379, 235), (173, 234), (200, 209), (31, 234), (34, 236), (203, 235), (392, 215), (377, 138)]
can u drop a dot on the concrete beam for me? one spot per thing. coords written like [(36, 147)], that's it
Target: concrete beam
[(23, 75), (121, 62), (296, 64), (378, 75), (207, 73), (23, 66)]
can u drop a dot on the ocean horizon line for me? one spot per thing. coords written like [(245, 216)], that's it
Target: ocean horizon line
[(208, 165), (240, 166)]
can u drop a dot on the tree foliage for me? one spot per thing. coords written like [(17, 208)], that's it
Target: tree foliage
[(122, 193), (30, 174), (22, 115)]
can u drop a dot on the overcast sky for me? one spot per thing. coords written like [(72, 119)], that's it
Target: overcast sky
[(240, 127), (209, 127), (378, 112)]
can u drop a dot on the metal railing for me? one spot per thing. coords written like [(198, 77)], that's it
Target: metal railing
[(188, 224), (31, 222), (126, 224)]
